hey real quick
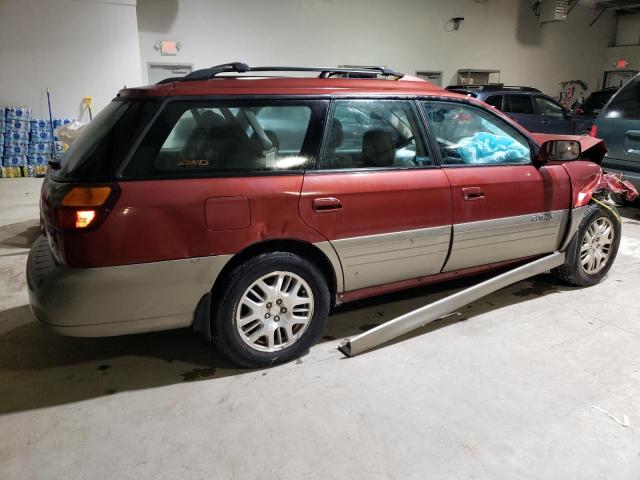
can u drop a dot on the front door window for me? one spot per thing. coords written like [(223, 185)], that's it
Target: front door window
[(468, 135)]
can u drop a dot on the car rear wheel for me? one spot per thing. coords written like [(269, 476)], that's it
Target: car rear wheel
[(593, 249), (271, 310)]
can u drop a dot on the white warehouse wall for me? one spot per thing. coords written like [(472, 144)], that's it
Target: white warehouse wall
[(408, 35), (76, 48)]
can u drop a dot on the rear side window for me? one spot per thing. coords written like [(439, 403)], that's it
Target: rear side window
[(205, 138), (626, 103), (374, 134), (495, 101), (102, 145), (518, 104)]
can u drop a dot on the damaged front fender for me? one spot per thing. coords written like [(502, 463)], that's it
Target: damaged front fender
[(588, 179)]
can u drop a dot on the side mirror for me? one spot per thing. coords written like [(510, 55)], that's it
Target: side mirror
[(559, 151)]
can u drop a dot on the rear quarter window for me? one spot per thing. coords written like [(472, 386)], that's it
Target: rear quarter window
[(103, 144), (494, 101)]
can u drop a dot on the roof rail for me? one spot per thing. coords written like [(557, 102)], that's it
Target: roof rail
[(474, 87), (515, 87), (325, 72), (489, 88)]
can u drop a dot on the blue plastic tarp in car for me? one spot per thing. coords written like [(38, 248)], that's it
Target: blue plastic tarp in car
[(485, 147)]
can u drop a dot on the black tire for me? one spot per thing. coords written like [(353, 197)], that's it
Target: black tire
[(225, 309), (573, 272)]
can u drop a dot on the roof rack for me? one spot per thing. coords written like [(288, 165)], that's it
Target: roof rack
[(325, 72)]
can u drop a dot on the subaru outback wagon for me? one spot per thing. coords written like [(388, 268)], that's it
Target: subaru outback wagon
[(246, 207)]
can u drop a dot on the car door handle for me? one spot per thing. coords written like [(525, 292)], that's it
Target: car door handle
[(472, 193), (326, 204), (545, 122)]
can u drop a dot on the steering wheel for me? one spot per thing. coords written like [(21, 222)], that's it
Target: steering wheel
[(449, 152)]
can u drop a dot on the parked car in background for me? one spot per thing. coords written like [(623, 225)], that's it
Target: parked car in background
[(586, 113), (619, 125), (528, 106), (246, 208)]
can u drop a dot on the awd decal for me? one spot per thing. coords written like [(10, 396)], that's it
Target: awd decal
[(540, 217), (193, 163)]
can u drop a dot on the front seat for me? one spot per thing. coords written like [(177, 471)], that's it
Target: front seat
[(378, 149)]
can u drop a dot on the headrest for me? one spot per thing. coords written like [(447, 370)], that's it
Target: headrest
[(378, 149)]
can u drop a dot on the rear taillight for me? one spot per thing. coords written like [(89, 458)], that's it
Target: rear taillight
[(84, 208), (594, 131)]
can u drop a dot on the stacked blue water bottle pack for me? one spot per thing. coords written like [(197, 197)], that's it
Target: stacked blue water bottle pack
[(15, 141), (27, 143), (40, 145)]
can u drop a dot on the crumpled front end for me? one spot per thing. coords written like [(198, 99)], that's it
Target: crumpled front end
[(589, 180), (610, 182)]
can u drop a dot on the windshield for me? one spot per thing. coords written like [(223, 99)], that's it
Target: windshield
[(103, 143)]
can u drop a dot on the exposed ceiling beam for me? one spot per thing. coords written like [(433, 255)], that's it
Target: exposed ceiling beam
[(616, 4)]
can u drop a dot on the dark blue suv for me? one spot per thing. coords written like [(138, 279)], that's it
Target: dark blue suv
[(528, 106)]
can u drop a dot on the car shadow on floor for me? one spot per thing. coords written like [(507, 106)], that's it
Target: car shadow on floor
[(19, 235), (40, 369)]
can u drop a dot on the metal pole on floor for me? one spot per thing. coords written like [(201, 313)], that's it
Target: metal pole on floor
[(434, 311)]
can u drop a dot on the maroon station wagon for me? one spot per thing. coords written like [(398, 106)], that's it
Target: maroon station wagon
[(246, 207)]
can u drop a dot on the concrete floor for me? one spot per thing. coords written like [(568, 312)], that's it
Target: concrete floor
[(504, 391)]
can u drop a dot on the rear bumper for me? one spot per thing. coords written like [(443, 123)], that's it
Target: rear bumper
[(107, 301)]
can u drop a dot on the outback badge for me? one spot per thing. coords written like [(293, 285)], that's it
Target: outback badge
[(539, 217)]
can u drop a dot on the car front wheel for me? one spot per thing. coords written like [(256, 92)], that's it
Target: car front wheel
[(271, 310), (593, 249)]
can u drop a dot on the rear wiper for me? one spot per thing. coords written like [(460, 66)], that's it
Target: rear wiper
[(55, 164)]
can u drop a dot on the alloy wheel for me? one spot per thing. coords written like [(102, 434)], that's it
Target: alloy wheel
[(274, 311), (597, 245)]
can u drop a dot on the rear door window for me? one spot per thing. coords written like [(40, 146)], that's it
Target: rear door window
[(374, 134), (205, 138), (626, 103), (548, 108), (518, 104), (495, 101)]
